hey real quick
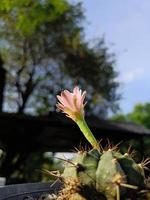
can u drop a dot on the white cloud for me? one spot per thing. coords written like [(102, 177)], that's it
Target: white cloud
[(131, 75)]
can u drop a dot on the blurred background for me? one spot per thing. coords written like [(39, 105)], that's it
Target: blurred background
[(50, 45)]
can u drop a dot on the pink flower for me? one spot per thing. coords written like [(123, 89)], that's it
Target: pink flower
[(72, 103)]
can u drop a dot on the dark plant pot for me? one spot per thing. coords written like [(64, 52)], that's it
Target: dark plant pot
[(23, 191)]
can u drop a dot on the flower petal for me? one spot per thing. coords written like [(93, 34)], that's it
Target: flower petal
[(72, 103)]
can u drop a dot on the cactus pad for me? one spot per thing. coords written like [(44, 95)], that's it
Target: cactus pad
[(108, 175)]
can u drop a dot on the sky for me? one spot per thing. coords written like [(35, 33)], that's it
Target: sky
[(126, 28)]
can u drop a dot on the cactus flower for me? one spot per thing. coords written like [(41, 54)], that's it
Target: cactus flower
[(72, 104)]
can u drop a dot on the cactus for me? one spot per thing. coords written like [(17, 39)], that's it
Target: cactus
[(97, 174), (111, 174)]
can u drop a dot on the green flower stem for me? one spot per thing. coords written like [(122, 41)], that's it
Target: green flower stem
[(87, 133)]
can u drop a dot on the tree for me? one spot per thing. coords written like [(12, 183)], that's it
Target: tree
[(2, 83), (44, 50), (139, 115), (119, 117)]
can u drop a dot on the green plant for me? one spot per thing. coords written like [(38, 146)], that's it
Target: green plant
[(106, 173)]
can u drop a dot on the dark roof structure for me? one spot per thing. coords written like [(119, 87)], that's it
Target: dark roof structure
[(58, 133)]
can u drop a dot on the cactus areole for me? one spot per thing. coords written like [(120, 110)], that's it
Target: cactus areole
[(107, 174)]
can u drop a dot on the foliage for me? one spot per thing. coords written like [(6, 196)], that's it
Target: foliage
[(27, 15), (139, 115), (44, 50), (36, 163), (29, 167), (119, 117)]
